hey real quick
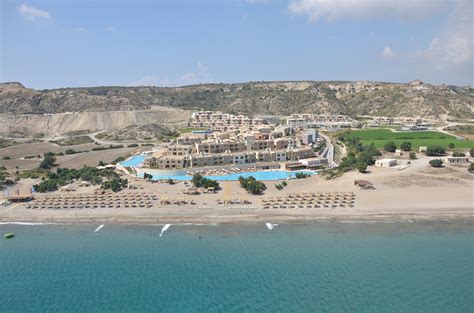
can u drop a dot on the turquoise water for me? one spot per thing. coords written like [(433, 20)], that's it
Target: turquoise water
[(321, 267), (136, 160), (259, 175)]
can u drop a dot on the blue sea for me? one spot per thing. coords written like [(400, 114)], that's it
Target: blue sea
[(317, 267)]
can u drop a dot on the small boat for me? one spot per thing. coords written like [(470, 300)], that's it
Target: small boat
[(9, 235)]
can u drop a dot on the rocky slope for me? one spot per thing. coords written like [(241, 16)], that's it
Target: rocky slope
[(353, 98), (49, 125)]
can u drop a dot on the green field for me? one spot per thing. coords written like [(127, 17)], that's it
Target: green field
[(379, 137)]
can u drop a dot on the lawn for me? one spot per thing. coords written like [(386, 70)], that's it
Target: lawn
[(188, 130), (379, 137)]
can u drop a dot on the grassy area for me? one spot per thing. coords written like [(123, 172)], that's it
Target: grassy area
[(379, 137), (188, 130)]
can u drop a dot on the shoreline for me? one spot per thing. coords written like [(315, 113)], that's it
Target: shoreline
[(248, 219)]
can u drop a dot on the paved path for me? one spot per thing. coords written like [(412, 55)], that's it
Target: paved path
[(329, 151)]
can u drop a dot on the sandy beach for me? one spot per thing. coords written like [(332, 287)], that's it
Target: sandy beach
[(415, 193)]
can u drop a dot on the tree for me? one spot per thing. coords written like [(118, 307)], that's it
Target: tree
[(252, 185), (197, 180), (436, 163), (451, 145), (361, 167), (48, 162), (405, 146), (116, 184), (471, 168), (435, 150), (300, 175), (390, 146), (458, 154), (471, 152), (147, 176), (412, 155)]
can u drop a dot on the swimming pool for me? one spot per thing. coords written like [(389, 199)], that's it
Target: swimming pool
[(260, 175), (136, 160)]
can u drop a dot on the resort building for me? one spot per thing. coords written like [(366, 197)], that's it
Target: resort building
[(395, 121), (386, 163), (456, 160), (319, 121), (221, 121), (309, 137), (229, 145)]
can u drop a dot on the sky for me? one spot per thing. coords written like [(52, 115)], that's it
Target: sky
[(66, 43)]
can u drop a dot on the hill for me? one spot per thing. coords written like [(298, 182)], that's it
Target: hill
[(282, 98)]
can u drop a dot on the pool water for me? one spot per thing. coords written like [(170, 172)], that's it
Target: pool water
[(260, 175), (136, 160)]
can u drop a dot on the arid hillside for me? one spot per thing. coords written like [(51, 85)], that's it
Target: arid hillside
[(353, 98)]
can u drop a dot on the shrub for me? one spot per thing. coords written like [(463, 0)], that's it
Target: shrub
[(471, 152), (390, 146), (284, 183), (361, 167), (436, 163), (412, 156), (300, 175), (278, 186), (48, 162), (115, 184), (6, 157), (435, 150), (451, 145), (199, 181), (70, 151), (252, 185), (405, 146), (118, 160), (458, 154), (132, 145), (471, 168)]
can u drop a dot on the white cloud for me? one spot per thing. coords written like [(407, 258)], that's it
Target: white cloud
[(190, 78), (388, 52), (111, 29), (364, 9), (454, 44), (33, 14)]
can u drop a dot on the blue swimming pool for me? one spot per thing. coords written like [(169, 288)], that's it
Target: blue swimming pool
[(261, 175), (136, 160)]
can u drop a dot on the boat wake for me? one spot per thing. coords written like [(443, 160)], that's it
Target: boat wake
[(165, 228), (98, 228), (270, 226)]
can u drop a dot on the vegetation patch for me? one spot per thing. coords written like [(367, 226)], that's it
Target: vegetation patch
[(380, 137), (203, 182), (73, 141), (252, 185)]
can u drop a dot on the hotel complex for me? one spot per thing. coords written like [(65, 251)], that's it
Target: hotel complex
[(319, 121), (227, 139)]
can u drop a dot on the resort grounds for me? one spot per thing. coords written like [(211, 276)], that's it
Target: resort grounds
[(413, 193)]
